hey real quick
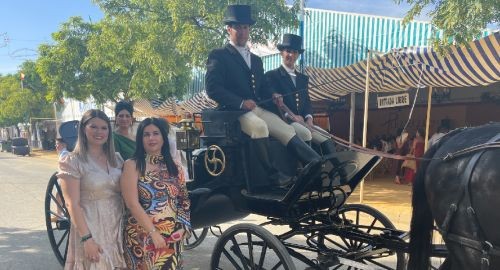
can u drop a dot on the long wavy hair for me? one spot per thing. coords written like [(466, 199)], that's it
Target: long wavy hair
[(140, 152), (82, 147)]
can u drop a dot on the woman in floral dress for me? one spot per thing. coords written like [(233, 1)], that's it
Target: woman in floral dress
[(155, 193)]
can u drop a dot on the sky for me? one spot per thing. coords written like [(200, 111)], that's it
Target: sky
[(24, 25)]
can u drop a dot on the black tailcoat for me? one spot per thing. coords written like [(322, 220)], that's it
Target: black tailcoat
[(229, 81), (299, 103)]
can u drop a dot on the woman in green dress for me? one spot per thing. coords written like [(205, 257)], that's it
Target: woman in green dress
[(123, 138)]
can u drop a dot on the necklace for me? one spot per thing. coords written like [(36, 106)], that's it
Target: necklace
[(154, 159)]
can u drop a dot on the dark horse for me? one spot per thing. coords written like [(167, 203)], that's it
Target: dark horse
[(469, 180)]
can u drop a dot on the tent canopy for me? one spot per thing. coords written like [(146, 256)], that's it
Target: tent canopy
[(476, 64), (412, 67)]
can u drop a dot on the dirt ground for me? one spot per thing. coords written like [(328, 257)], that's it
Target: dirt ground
[(391, 199)]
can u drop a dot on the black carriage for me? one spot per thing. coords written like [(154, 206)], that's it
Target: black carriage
[(227, 184)]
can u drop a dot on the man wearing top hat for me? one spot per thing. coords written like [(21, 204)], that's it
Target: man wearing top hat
[(235, 80), (292, 85)]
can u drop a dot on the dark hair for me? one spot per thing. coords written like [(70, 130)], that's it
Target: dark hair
[(140, 153), (124, 105)]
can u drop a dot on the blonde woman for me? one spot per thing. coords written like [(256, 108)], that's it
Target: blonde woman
[(90, 182)]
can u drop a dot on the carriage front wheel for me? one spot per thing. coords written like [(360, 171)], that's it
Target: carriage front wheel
[(359, 219), (57, 219), (249, 246)]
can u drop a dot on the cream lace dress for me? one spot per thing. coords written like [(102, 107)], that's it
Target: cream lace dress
[(103, 208)]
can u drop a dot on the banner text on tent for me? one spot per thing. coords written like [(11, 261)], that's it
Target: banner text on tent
[(393, 101)]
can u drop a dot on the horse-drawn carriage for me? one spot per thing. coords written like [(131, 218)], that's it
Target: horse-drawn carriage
[(227, 184)]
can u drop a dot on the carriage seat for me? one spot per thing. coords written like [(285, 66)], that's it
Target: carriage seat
[(315, 188), (277, 202), (221, 127)]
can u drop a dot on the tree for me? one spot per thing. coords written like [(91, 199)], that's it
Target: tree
[(140, 58), (18, 104), (144, 49), (60, 65), (197, 24), (460, 20)]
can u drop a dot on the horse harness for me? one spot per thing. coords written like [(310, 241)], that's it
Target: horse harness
[(482, 244)]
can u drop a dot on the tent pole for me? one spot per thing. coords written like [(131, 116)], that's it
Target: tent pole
[(365, 117), (351, 117), (301, 32), (428, 121)]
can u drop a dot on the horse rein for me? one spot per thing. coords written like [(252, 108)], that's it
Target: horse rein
[(482, 245)]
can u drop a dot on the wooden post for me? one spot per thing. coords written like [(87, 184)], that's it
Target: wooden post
[(428, 119), (365, 117), (352, 114)]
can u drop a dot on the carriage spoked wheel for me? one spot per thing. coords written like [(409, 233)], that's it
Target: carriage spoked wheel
[(57, 219), (248, 246), (197, 236), (355, 253)]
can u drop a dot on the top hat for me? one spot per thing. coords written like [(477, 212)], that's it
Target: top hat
[(238, 14), (291, 41)]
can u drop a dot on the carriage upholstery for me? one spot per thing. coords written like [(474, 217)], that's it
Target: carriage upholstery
[(222, 127)]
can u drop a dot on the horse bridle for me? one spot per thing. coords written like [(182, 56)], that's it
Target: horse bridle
[(481, 244)]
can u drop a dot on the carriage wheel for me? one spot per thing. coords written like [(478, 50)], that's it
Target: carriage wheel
[(197, 236), (367, 220), (57, 219), (248, 246)]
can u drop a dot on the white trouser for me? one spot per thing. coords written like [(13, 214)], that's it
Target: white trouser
[(307, 135), (260, 123)]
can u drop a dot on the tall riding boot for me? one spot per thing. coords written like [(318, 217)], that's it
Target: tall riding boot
[(276, 177), (302, 151), (327, 147)]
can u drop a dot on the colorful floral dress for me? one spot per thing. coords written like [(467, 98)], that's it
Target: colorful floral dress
[(165, 200)]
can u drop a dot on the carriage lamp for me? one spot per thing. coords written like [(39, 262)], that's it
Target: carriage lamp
[(188, 139)]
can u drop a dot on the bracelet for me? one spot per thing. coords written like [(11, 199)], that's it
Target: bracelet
[(85, 238)]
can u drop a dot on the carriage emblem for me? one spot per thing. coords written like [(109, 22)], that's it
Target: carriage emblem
[(215, 160)]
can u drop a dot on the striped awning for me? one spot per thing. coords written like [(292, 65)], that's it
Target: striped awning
[(412, 67), (154, 107), (198, 102), (147, 107)]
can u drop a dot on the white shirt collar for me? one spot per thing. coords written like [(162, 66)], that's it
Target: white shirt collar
[(289, 70), (239, 48)]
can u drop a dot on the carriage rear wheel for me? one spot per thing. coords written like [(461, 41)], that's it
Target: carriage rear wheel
[(248, 246), (57, 219), (356, 254), (197, 236)]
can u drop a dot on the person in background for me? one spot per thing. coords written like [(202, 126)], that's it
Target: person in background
[(154, 190), (441, 131), (61, 147), (90, 181), (123, 138), (62, 151), (402, 149), (417, 151)]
